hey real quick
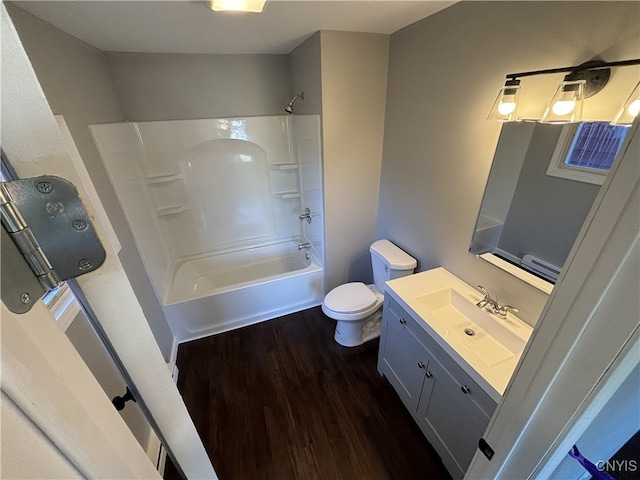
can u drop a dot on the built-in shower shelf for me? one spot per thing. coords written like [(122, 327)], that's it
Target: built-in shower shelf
[(167, 211), (285, 195), (164, 178), (284, 166)]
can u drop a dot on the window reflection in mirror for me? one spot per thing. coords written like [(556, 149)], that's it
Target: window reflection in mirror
[(531, 214)]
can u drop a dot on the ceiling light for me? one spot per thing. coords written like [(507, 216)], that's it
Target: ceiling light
[(255, 6), (630, 109)]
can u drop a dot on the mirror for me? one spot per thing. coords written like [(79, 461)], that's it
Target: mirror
[(530, 217)]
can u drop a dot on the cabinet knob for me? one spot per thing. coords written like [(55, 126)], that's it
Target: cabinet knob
[(465, 389), (429, 374), (403, 321), (420, 365)]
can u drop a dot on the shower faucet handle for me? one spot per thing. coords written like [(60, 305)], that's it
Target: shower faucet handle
[(307, 215)]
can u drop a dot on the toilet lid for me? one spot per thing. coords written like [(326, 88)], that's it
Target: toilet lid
[(350, 298)]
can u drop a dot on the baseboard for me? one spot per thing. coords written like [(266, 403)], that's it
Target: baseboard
[(245, 322)]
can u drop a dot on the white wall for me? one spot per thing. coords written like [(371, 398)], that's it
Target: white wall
[(180, 86), (354, 82), (76, 80), (444, 74)]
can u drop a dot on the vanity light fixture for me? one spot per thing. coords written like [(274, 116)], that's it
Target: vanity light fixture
[(254, 6), (630, 110), (582, 81)]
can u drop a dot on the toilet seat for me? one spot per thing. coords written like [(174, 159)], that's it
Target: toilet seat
[(352, 301)]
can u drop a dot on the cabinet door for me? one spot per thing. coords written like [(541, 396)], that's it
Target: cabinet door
[(452, 415), (404, 359)]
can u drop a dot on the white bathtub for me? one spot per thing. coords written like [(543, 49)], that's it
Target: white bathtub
[(215, 293)]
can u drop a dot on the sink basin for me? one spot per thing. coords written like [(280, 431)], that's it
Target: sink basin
[(488, 337)]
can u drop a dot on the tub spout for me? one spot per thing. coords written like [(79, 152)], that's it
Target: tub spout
[(304, 245)]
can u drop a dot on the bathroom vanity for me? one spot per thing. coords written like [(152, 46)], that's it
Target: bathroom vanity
[(448, 360)]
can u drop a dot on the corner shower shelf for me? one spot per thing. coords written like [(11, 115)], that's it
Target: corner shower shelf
[(164, 178), (284, 166), (167, 211), (285, 195)]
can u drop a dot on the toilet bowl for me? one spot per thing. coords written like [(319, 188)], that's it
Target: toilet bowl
[(357, 307)]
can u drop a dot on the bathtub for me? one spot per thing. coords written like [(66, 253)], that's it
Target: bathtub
[(210, 294)]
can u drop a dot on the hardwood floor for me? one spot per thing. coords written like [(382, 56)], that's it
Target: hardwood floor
[(282, 400)]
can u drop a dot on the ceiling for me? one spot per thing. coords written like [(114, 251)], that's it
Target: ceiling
[(189, 26)]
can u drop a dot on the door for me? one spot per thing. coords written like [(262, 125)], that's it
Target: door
[(451, 415), (49, 397), (405, 357)]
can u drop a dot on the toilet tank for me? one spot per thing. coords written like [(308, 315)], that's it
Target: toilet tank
[(389, 262)]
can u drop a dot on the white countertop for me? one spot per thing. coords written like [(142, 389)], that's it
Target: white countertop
[(493, 379)]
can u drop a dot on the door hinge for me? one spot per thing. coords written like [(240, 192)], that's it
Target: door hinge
[(47, 237)]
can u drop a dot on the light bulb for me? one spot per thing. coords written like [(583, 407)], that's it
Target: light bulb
[(506, 108), (634, 108), (563, 107)]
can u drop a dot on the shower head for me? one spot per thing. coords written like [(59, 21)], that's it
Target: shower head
[(289, 108)]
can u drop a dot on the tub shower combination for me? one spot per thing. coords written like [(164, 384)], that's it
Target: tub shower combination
[(226, 213)]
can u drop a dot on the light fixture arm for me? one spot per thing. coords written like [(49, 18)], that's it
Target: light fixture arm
[(590, 65), (580, 82)]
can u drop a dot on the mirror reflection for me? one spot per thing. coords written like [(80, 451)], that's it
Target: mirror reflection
[(542, 184)]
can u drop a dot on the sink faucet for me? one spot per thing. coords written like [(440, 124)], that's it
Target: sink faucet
[(493, 306), (487, 300), (502, 310)]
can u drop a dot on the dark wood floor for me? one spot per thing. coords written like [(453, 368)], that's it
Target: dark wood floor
[(281, 400)]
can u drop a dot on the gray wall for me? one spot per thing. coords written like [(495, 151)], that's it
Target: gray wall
[(76, 80), (344, 77), (177, 87), (306, 76), (354, 82), (444, 73), (546, 212)]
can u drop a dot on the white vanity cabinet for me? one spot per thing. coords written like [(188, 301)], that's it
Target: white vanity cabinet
[(403, 357), (450, 408)]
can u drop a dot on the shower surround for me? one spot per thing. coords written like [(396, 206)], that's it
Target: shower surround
[(214, 206)]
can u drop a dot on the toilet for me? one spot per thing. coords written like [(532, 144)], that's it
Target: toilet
[(357, 307)]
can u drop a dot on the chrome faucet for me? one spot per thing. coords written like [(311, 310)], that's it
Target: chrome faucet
[(307, 215), (502, 310), (304, 245), (487, 300), (493, 306)]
